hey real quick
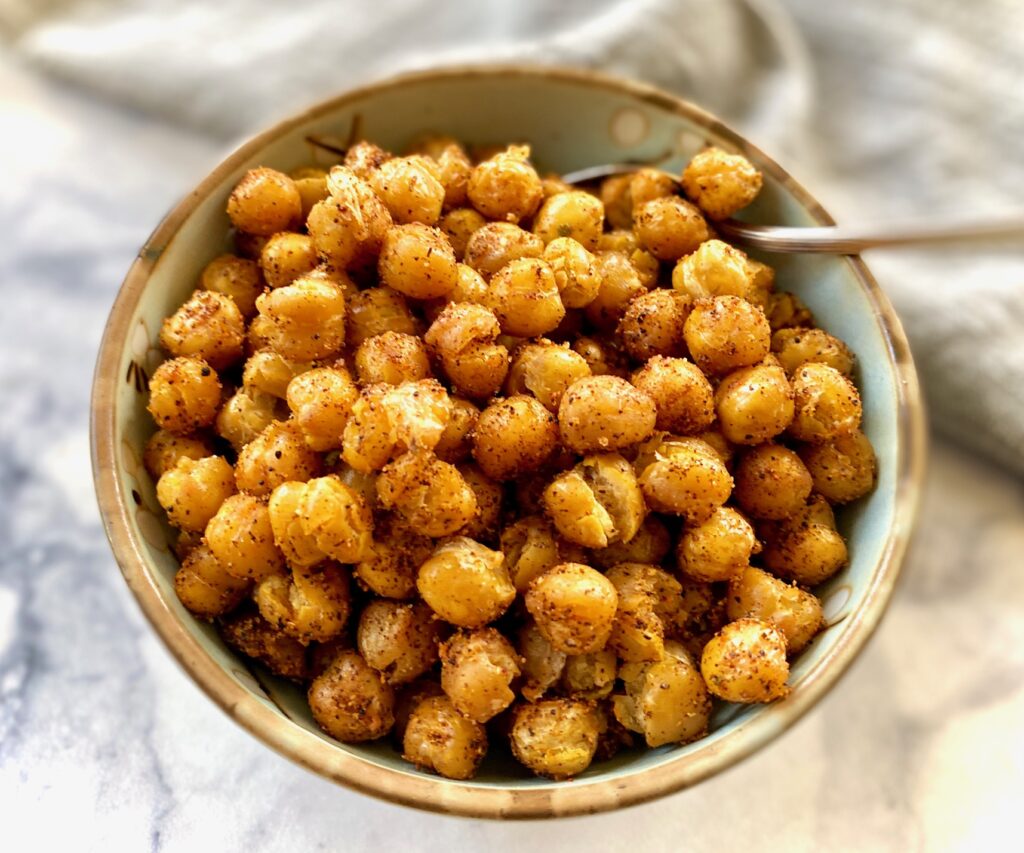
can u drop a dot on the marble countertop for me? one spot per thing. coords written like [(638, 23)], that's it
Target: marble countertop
[(105, 744)]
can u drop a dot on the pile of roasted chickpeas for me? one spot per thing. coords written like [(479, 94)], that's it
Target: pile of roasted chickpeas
[(479, 456)]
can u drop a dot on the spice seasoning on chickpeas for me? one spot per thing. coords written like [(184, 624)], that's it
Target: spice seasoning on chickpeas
[(483, 459)]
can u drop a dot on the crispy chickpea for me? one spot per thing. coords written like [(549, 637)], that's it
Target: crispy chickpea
[(252, 635), (524, 297), (796, 613), (337, 519), (454, 168), (489, 498), (601, 413), (241, 537), (204, 587), (717, 549), (771, 482), (463, 339), (514, 435), (574, 214), (299, 548), (545, 370), (496, 244), (681, 393), (652, 324), (826, 403), (264, 201), (276, 455), (590, 676), (410, 188), (456, 442), (754, 403), (555, 737), (683, 476), (649, 184), (721, 183), (715, 269), (391, 358), (726, 332), (348, 226), (530, 548), (321, 402), (796, 347), (398, 552), (418, 261), (649, 607), (377, 310), (506, 186), (306, 318), (430, 494), (669, 227), (238, 278), (286, 256), (192, 491), (269, 372), (806, 547), (311, 605), (244, 415), (439, 738), (785, 311), (458, 226), (541, 663), (601, 356), (574, 607), (649, 545), (577, 272), (311, 183), (477, 670), (843, 469), (364, 158), (618, 201), (350, 702), (164, 449), (620, 285), (465, 583), (746, 662), (399, 640), (208, 326)]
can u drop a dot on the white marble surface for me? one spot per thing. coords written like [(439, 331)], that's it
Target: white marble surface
[(106, 745)]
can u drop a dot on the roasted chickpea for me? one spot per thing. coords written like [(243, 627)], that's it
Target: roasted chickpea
[(337, 519), (238, 278), (410, 188), (244, 415), (746, 662), (649, 545), (456, 442), (465, 583), (669, 227), (601, 356), (514, 435), (617, 200), (771, 482), (506, 186), (254, 637), (241, 537), (458, 226), (264, 201), (530, 548), (299, 548), (321, 402), (204, 587), (590, 676), (574, 214), (602, 413), (826, 403), (417, 260), (796, 347), (555, 737), (806, 547), (286, 256), (545, 370), (683, 476), (398, 640), (652, 324), (350, 702), (463, 339), (398, 552), (311, 605), (721, 183), (312, 186), (269, 372), (574, 607), (796, 613), (681, 393), (164, 449), (577, 272), (477, 670), (620, 285), (754, 403), (391, 358), (541, 663), (843, 469), (208, 326), (524, 297), (430, 494), (192, 491), (348, 226), (364, 158), (726, 332), (377, 310), (496, 244), (489, 497), (649, 608), (717, 549), (785, 311), (306, 318), (276, 455), (453, 168), (439, 738), (649, 184), (716, 269)]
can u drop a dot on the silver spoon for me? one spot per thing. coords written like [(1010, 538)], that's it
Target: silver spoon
[(836, 239)]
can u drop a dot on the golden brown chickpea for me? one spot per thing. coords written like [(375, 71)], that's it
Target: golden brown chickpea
[(477, 670), (715, 269), (238, 278), (574, 214), (184, 395), (717, 549), (337, 519), (552, 184), (391, 358), (495, 244), (164, 449), (649, 545), (726, 332), (796, 613), (541, 663), (601, 357), (826, 403), (806, 547), (311, 605), (754, 403), (312, 186), (618, 201), (264, 202), (208, 326), (307, 318), (530, 549), (652, 324), (465, 583), (458, 226), (399, 640), (649, 608), (681, 393), (252, 635), (418, 261), (577, 271), (489, 497), (431, 495), (601, 413), (205, 588), (574, 607), (321, 402), (620, 285), (456, 442), (276, 455), (746, 662), (192, 491), (524, 297), (270, 372), (785, 311), (590, 676), (349, 225), (555, 737), (377, 310), (439, 738), (771, 482), (185, 543), (506, 186), (244, 415), (410, 188), (409, 697), (513, 436), (545, 370), (463, 339), (350, 702), (649, 184), (286, 256), (683, 476), (669, 227), (241, 537), (364, 158), (721, 183), (843, 469), (796, 347), (454, 168), (398, 552), (299, 548)]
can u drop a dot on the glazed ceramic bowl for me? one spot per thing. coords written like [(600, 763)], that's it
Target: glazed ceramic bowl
[(571, 119)]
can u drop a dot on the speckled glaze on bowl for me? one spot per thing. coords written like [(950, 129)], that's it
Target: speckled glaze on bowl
[(572, 119)]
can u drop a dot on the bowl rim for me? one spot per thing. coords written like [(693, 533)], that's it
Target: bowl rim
[(431, 792)]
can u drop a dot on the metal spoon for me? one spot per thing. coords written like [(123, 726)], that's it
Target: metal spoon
[(836, 239)]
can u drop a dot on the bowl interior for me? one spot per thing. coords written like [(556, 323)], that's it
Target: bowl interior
[(570, 121)]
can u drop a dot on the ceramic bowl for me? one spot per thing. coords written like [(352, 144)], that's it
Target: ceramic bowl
[(572, 119)]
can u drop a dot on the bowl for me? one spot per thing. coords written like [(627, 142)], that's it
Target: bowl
[(572, 119)]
